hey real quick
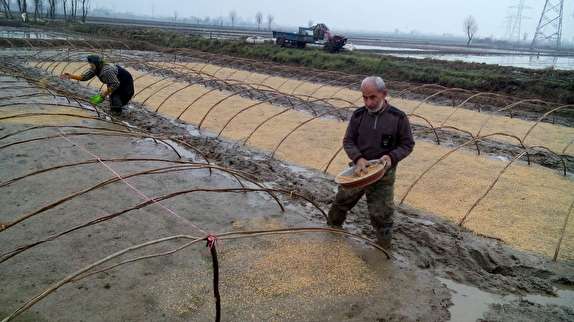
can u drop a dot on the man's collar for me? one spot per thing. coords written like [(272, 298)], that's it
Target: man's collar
[(381, 109)]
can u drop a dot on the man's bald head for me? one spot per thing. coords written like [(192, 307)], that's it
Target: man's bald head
[(374, 81), (374, 92)]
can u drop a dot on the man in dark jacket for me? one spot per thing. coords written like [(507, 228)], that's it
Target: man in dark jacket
[(376, 131), (119, 82)]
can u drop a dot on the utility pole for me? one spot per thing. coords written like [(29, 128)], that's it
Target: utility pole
[(516, 21), (549, 28), (508, 25)]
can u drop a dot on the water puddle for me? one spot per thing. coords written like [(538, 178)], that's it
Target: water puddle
[(387, 48), (471, 303), (524, 61), (185, 152), (565, 297), (17, 34), (299, 170), (499, 158), (191, 129)]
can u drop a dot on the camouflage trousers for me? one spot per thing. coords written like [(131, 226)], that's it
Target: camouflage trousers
[(380, 202)]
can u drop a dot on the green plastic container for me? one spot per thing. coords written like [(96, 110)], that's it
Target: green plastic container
[(96, 99)]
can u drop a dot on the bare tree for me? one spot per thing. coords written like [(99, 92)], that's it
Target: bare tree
[(470, 28), (74, 10), (64, 4), (6, 6), (37, 10), (41, 6), (23, 7), (258, 20), (51, 13), (175, 15), (270, 19), (85, 9), (232, 17)]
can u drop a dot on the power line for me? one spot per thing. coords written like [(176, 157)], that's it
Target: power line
[(549, 28), (515, 21)]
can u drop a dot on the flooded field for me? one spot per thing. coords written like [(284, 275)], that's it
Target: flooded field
[(17, 33), (522, 61)]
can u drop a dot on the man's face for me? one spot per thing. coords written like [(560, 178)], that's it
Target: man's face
[(372, 97)]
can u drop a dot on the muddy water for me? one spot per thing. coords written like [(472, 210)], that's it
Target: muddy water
[(471, 304), (33, 35), (522, 61)]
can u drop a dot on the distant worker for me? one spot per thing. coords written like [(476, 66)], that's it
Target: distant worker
[(377, 131), (119, 82)]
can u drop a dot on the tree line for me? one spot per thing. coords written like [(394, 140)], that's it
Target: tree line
[(70, 10)]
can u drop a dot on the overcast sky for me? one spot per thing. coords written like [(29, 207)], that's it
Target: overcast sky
[(425, 16)]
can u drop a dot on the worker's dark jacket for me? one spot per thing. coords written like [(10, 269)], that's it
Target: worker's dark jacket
[(118, 80), (373, 135), (125, 91)]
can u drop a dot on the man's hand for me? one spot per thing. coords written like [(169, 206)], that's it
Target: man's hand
[(387, 161), (361, 167), (70, 76), (104, 93)]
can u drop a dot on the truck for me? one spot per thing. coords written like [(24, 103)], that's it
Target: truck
[(317, 34)]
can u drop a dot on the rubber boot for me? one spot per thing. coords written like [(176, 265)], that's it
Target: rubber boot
[(335, 218), (385, 237), (116, 111)]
